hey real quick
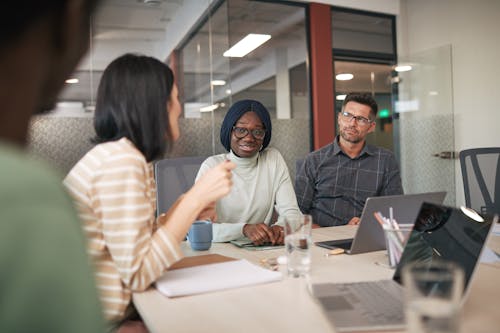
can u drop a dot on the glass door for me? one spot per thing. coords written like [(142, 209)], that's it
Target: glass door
[(424, 122), (370, 78)]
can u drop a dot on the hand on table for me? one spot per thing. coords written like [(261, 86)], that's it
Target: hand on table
[(354, 221), (279, 234), (259, 233)]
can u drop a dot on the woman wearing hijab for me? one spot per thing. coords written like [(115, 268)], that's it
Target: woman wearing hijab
[(261, 182)]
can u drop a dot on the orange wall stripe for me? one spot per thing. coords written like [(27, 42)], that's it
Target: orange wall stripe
[(322, 83)]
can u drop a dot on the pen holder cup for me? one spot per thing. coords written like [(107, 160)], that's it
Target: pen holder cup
[(395, 240)]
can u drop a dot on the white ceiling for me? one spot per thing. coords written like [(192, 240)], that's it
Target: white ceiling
[(155, 28)]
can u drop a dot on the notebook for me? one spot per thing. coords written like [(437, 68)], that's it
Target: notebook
[(439, 233), (370, 235), (212, 272)]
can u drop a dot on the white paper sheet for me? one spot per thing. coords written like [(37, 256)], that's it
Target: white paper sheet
[(489, 256), (212, 277), (496, 229)]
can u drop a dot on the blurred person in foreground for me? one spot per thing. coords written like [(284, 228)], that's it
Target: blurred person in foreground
[(46, 282)]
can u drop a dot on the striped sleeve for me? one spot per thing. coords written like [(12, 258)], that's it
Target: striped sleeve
[(122, 204)]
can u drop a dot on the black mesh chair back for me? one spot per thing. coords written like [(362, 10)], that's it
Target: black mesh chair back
[(174, 176), (481, 177)]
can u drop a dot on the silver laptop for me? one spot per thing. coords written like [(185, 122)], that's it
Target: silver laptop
[(439, 233), (370, 235)]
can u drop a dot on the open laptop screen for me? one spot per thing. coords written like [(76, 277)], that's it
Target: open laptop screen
[(448, 234)]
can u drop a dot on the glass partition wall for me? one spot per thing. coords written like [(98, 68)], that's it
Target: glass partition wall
[(192, 37), (274, 73), (364, 54), (415, 118)]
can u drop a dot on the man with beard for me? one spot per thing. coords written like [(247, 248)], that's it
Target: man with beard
[(334, 182), (46, 282)]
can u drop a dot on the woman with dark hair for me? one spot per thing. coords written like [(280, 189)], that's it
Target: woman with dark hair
[(261, 179), (136, 120)]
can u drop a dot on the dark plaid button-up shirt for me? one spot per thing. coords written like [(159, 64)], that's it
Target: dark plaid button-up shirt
[(333, 188)]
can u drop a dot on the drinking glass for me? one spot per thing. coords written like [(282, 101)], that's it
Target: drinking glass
[(432, 294), (298, 244)]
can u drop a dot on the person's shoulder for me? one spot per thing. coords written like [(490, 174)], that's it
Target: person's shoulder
[(214, 160), (271, 152), (25, 178), (321, 153), (16, 165), (271, 155), (379, 150), (120, 152)]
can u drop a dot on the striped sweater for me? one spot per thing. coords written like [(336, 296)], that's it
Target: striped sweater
[(114, 191)]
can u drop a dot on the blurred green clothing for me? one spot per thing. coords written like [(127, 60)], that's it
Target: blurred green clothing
[(46, 283)]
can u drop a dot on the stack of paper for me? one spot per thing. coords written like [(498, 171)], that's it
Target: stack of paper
[(213, 277)]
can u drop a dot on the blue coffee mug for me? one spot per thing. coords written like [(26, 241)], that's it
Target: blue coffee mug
[(200, 235)]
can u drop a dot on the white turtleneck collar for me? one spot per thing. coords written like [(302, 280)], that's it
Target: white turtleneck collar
[(244, 161)]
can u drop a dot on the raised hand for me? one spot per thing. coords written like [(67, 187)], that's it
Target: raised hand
[(214, 184), (208, 213)]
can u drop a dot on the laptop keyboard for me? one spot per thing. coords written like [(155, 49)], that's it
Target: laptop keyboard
[(364, 304), (378, 302)]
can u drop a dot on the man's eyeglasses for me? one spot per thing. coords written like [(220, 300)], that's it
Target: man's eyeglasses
[(359, 119), (241, 132)]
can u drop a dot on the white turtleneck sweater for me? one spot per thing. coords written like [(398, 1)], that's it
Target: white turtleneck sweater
[(260, 184)]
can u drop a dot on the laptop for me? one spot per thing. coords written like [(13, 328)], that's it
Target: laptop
[(370, 235), (439, 233)]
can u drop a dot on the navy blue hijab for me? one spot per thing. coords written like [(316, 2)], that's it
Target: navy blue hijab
[(235, 112)]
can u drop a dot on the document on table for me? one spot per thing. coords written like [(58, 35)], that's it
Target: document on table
[(213, 277), (489, 256), (496, 229)]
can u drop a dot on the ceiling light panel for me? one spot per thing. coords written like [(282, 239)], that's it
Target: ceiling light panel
[(249, 43)]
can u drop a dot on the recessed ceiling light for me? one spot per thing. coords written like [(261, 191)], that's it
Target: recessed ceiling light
[(340, 97), (209, 108), (402, 68), (344, 76), (152, 3), (218, 82), (249, 43), (72, 80)]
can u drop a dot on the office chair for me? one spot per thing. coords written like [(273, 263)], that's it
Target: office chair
[(174, 176), (481, 177)]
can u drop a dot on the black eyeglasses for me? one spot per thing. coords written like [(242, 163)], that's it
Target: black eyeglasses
[(241, 132), (359, 119)]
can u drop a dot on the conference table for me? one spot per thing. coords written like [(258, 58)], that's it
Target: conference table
[(287, 305)]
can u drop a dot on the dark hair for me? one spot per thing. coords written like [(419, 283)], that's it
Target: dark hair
[(365, 99), (132, 102), (18, 16), (235, 112)]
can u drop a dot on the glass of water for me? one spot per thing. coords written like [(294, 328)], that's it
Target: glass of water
[(298, 244), (433, 291)]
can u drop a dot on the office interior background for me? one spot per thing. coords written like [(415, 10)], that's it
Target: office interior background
[(445, 103)]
